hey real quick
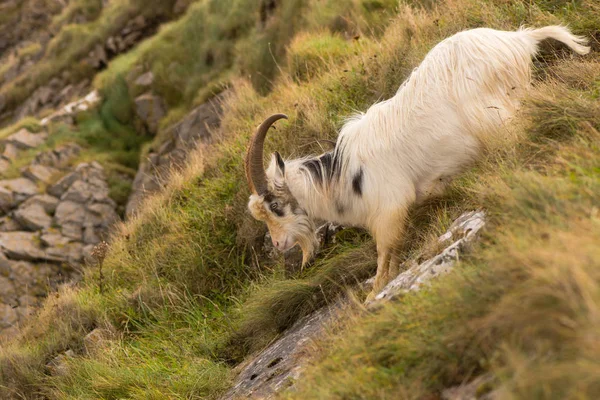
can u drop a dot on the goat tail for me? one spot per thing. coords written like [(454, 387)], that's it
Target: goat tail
[(560, 33)]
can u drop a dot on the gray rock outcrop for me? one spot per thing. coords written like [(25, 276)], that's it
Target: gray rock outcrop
[(195, 128)]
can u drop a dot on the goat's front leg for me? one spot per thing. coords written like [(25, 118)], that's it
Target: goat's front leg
[(389, 235)]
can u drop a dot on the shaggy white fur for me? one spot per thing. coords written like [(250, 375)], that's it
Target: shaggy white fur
[(406, 149)]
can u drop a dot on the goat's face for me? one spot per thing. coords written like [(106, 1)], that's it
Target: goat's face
[(287, 222), (272, 201)]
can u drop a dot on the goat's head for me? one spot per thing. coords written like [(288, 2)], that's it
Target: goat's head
[(272, 201)]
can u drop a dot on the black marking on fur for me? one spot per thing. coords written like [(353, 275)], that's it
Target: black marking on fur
[(357, 183), (280, 162)]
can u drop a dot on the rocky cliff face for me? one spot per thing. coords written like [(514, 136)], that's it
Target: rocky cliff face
[(51, 217)]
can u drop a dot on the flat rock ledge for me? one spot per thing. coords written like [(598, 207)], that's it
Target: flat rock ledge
[(281, 364)]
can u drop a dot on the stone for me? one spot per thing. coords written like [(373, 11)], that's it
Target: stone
[(78, 192), (150, 109), (11, 152), (145, 80), (5, 265), (39, 173), (33, 217), (58, 157), (23, 139), (21, 186), (21, 245), (70, 216), (4, 165), (194, 128), (8, 224), (59, 365), (72, 230), (102, 214), (90, 236), (60, 187), (8, 316), (7, 200), (49, 203), (8, 294), (53, 238), (70, 253), (96, 340), (463, 231)]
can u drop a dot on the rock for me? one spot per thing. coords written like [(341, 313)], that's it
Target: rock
[(59, 157), (8, 316), (7, 200), (194, 128), (96, 340), (145, 80), (59, 365), (90, 236), (97, 58), (49, 203), (33, 217), (39, 173), (11, 152), (8, 294), (150, 109), (52, 238), (60, 187), (479, 388), (463, 231), (4, 165), (21, 245), (71, 253), (8, 224), (70, 216), (20, 186), (34, 279), (79, 192), (102, 214), (23, 139)]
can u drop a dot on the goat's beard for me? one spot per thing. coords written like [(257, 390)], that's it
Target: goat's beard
[(306, 237)]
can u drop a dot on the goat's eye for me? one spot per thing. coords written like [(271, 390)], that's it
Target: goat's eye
[(274, 206)]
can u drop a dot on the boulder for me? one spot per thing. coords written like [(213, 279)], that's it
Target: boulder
[(79, 192), (39, 173), (7, 200), (20, 186), (49, 203), (60, 187), (33, 217), (21, 245), (96, 340), (71, 253), (23, 139), (11, 152), (53, 238), (59, 157), (150, 109), (69, 211), (8, 224), (145, 79), (8, 316)]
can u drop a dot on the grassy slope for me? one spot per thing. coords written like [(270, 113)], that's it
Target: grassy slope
[(184, 297)]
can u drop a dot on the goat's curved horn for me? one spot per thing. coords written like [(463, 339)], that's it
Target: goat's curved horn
[(255, 170)]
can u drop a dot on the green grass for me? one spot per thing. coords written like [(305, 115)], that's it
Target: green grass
[(186, 291)]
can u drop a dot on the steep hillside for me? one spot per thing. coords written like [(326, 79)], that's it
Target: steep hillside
[(186, 293)]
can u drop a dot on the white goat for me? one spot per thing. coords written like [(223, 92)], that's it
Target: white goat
[(402, 150)]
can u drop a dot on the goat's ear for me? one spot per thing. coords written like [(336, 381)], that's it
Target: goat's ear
[(278, 166)]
